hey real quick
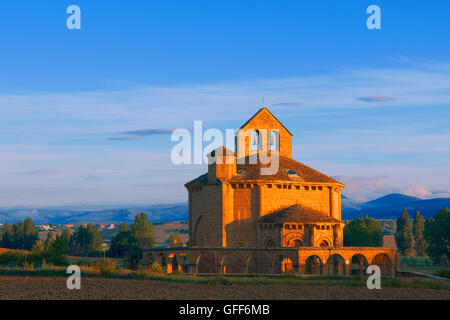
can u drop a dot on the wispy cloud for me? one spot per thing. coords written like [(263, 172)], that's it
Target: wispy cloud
[(176, 106), (375, 99), (126, 138), (149, 132)]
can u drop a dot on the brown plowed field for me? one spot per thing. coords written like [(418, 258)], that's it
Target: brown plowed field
[(12, 287)]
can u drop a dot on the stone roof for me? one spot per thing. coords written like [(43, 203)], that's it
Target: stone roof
[(297, 214), (203, 179), (289, 170)]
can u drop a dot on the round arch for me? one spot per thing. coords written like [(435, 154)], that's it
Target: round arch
[(314, 265), (358, 265), (206, 263), (287, 265), (162, 260), (336, 265), (293, 239), (324, 242), (382, 260), (252, 263), (269, 242), (148, 259)]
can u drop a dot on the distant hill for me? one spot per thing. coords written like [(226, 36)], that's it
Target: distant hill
[(155, 213), (386, 207), (392, 205), (389, 200)]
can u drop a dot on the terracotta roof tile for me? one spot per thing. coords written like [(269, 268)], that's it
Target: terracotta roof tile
[(297, 213), (289, 170)]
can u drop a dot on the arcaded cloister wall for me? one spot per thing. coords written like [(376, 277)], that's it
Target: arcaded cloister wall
[(319, 261)]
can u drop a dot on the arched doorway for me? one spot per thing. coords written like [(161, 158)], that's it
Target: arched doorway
[(383, 261), (252, 263), (206, 263), (148, 259), (172, 266), (268, 264), (162, 260), (287, 265), (358, 265), (184, 261), (336, 265), (313, 265), (226, 265)]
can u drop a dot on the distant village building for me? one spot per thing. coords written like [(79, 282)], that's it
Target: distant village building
[(244, 221), (45, 227)]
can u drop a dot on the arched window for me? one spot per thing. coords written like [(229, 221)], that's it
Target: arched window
[(273, 140), (255, 141), (324, 243), (296, 243), (270, 243)]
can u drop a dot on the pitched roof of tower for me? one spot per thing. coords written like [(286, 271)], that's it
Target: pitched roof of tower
[(261, 110), (297, 213)]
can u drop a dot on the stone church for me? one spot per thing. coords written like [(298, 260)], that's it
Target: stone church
[(257, 210)]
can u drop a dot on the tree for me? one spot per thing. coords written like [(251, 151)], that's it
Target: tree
[(123, 241), (363, 231), (175, 240), (403, 236), (21, 235), (30, 234), (143, 231), (437, 234), (420, 243), (7, 237), (65, 237), (85, 241)]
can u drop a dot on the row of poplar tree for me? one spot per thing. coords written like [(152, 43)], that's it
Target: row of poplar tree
[(430, 236)]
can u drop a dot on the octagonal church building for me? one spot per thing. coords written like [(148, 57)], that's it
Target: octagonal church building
[(257, 210)]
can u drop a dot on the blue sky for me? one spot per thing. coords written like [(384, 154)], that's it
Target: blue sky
[(370, 107)]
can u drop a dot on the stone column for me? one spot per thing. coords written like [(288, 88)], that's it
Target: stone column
[(312, 229)]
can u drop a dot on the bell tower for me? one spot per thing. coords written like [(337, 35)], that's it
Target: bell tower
[(263, 132)]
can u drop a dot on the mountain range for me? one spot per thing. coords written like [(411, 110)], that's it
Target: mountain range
[(386, 207), (155, 213), (391, 206)]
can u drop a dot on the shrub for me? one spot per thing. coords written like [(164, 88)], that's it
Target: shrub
[(105, 267), (12, 258), (157, 268), (28, 265), (443, 273), (47, 265)]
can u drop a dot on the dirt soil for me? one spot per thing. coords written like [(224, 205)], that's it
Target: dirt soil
[(12, 287)]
